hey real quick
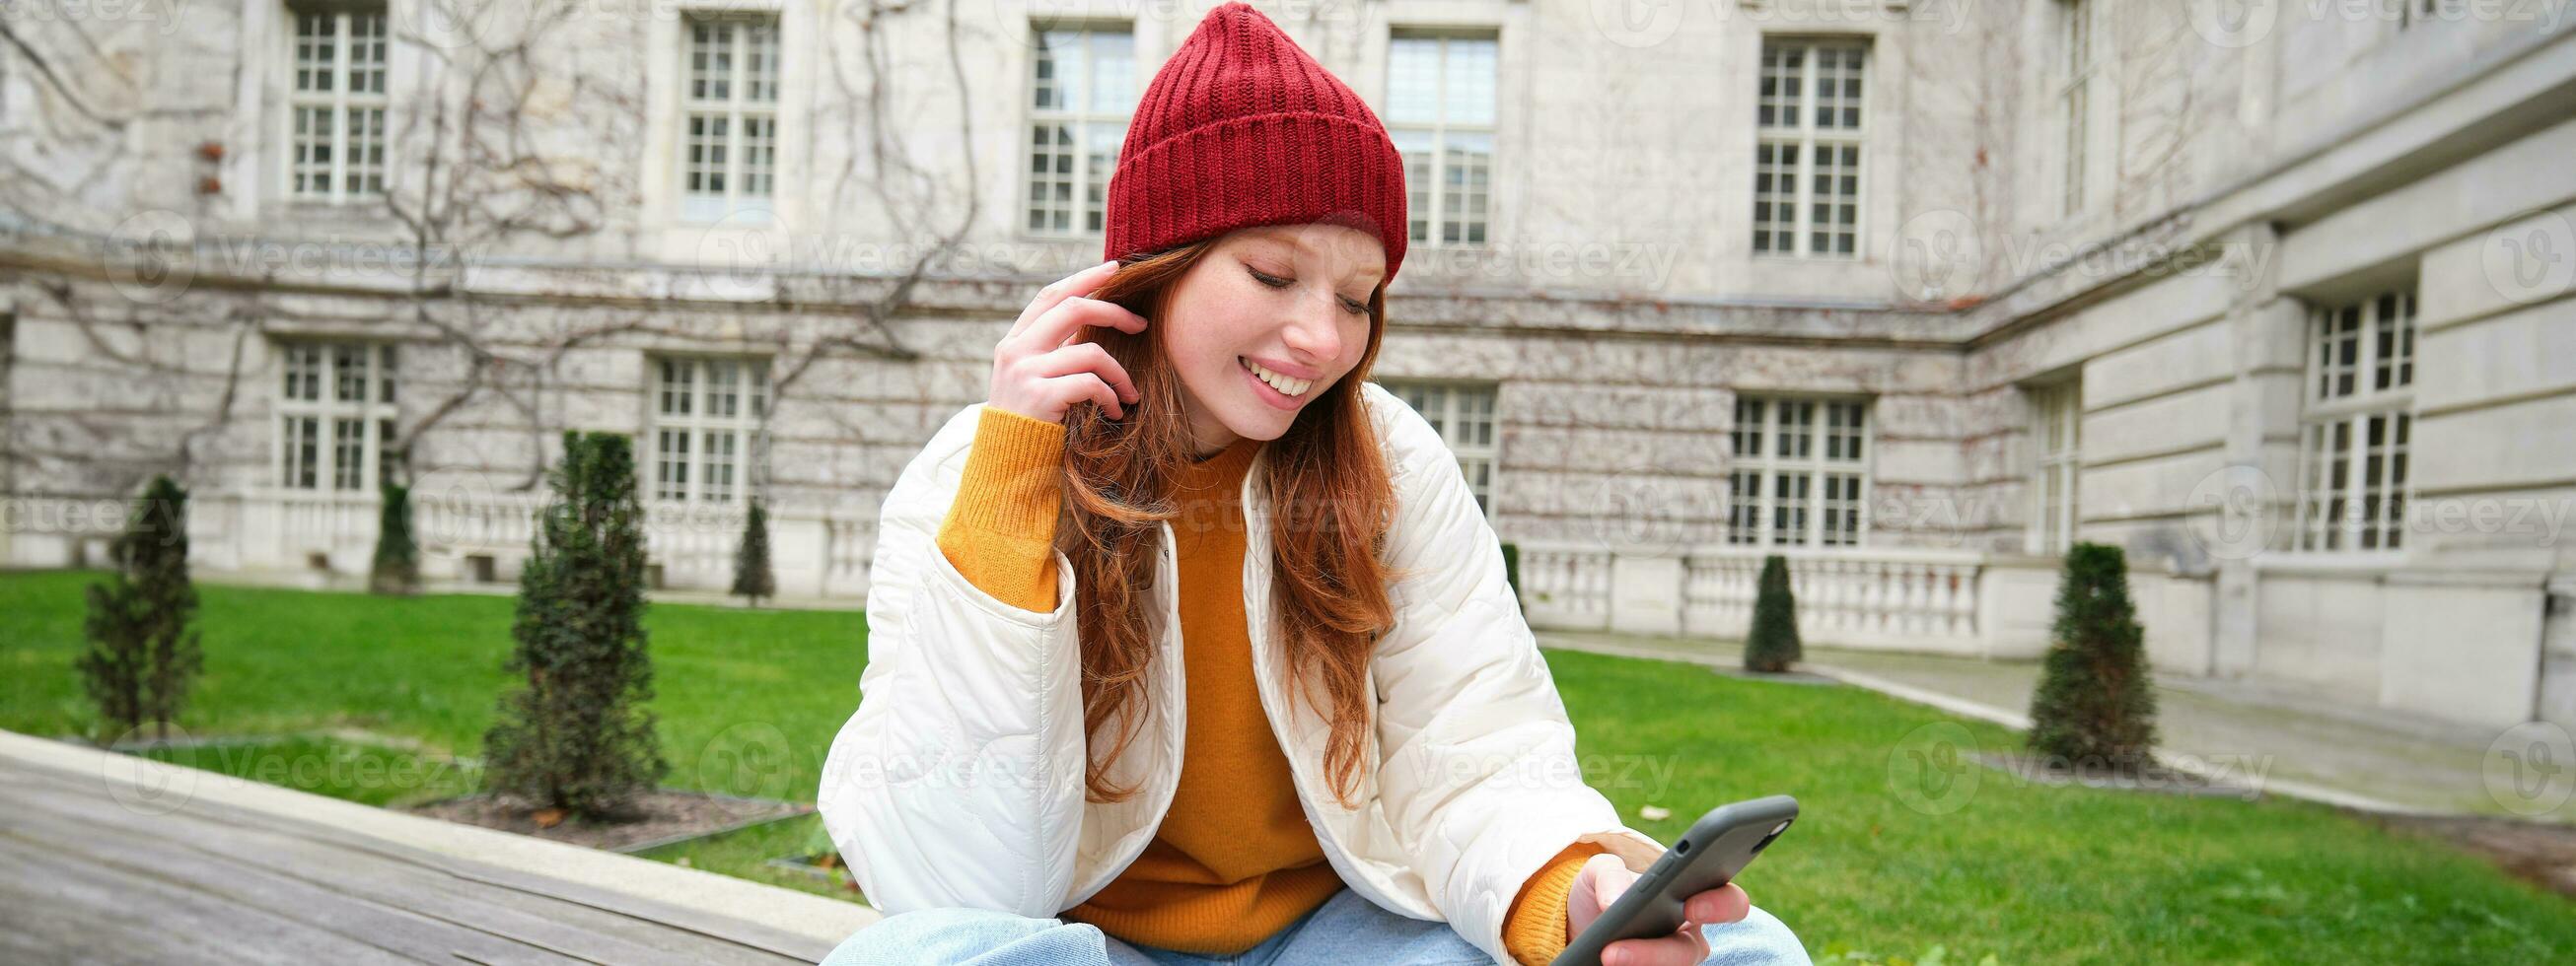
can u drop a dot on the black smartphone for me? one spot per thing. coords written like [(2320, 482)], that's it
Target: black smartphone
[(1716, 848)]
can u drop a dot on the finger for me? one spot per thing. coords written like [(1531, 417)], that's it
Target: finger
[(1609, 880), (1726, 903), (1082, 386), (1580, 909), (1060, 324), (1055, 292), (1087, 357), (1674, 950)]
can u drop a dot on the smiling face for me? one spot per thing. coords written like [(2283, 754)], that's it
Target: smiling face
[(1265, 321)]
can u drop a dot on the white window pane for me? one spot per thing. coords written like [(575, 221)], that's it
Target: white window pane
[(348, 453), (760, 62), (1744, 508), (1841, 510), (2354, 448), (1776, 96), (759, 156), (671, 464), (1776, 181), (729, 132), (1051, 178), (335, 121), (707, 420), (724, 388), (1747, 435), (1798, 474), (1417, 148), (1441, 95), (386, 450), (1082, 85), (1467, 77), (1465, 416), (1797, 430), (1112, 85), (1413, 80), (1466, 176), (1099, 162), (1809, 105), (367, 53), (1789, 498), (298, 446), (349, 373), (1073, 69), (716, 466)]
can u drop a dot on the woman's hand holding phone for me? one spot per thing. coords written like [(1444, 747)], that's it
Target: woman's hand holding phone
[(1039, 371), (1604, 879)]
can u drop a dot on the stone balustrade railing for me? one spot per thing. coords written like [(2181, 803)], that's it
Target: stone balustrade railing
[(485, 534), (1888, 598), (1858, 597)]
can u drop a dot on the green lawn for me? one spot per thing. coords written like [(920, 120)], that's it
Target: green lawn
[(1889, 861)]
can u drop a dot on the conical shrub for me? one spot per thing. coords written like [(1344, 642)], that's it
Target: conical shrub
[(396, 568), (2093, 708), (577, 737), (752, 578), (142, 654), (1773, 644)]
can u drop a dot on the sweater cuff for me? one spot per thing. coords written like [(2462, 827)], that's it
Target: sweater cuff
[(1534, 930), (1008, 489), (1000, 529)]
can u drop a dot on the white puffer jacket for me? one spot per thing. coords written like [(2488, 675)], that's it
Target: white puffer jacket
[(959, 781)]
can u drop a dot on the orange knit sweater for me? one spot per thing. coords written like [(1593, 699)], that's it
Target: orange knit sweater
[(1235, 859)]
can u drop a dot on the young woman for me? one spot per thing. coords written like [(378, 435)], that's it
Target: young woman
[(1191, 643)]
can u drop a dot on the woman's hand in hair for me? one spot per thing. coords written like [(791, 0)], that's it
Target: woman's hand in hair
[(1040, 370), (1604, 879)]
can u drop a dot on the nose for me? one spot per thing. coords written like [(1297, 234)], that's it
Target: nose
[(1314, 333)]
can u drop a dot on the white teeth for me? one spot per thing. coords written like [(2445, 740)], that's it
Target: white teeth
[(1287, 386)]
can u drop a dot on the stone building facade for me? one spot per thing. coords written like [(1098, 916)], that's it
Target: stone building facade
[(2275, 296)]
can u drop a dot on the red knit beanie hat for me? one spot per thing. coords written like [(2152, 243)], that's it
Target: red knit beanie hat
[(1242, 128)]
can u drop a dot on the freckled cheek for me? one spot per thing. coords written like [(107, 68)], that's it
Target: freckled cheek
[(1354, 345)]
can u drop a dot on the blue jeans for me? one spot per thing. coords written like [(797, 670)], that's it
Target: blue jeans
[(1345, 929)]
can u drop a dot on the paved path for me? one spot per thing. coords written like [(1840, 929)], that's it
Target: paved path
[(2295, 744), (110, 859)]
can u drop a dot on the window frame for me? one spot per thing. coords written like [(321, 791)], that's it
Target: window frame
[(1808, 138), (1768, 469), (376, 412), (738, 110), (1080, 123), (2326, 487), (2057, 449), (2077, 64), (743, 428), (1450, 417), (340, 103), (1428, 204)]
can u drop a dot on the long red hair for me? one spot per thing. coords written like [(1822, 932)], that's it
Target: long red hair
[(1330, 502)]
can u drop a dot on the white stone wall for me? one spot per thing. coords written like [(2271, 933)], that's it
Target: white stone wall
[(2240, 173)]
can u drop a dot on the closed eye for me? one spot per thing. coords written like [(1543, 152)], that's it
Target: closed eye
[(1350, 305)]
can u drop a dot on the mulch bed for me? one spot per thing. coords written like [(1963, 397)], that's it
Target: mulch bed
[(658, 818), (1776, 677), (2152, 778)]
